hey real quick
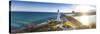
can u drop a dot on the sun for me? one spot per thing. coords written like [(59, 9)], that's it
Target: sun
[(84, 19)]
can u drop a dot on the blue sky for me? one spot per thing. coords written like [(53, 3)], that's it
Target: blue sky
[(45, 6), (39, 6)]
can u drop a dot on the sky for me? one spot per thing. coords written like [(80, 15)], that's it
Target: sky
[(92, 2), (21, 5), (40, 6)]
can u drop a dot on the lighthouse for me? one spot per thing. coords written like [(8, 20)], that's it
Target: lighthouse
[(58, 15)]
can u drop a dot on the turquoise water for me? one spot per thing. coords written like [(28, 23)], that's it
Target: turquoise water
[(20, 19)]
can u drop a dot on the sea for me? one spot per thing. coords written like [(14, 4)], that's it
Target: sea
[(21, 19)]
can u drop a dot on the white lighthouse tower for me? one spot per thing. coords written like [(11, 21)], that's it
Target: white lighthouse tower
[(58, 15)]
